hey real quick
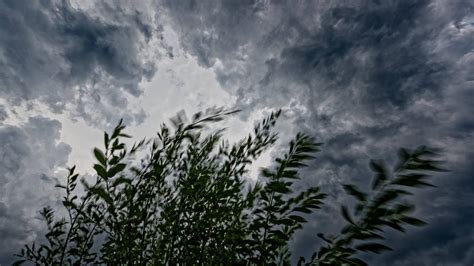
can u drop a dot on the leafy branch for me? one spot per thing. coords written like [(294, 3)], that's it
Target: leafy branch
[(188, 200)]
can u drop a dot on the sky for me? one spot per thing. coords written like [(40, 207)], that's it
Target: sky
[(363, 77)]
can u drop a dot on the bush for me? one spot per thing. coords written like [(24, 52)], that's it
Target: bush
[(188, 201)]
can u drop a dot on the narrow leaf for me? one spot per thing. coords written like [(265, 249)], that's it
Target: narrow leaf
[(372, 247), (99, 155)]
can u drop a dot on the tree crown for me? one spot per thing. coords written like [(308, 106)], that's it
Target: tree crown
[(188, 201)]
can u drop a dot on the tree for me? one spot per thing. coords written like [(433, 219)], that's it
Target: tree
[(188, 201)]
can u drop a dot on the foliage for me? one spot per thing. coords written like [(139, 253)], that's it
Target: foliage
[(188, 201), (385, 206)]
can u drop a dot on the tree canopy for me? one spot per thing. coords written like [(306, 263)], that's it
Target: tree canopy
[(187, 199)]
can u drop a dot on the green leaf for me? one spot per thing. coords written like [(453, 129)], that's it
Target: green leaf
[(367, 235), (411, 180), (372, 247), (99, 155), (377, 167), (403, 208), (298, 218), (381, 174), (121, 180), (413, 221), (120, 146), (286, 221), (356, 262), (279, 234), (290, 174), (106, 140), (99, 191), (345, 214), (302, 209), (100, 170), (267, 173), (355, 192), (389, 195), (124, 135), (395, 225), (116, 169), (72, 169), (279, 187)]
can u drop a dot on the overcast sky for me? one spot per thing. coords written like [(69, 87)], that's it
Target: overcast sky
[(364, 77)]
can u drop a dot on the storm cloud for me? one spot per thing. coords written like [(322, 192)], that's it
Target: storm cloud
[(366, 77), (85, 59), (30, 156)]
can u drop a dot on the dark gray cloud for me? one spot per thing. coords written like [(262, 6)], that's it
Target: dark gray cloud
[(29, 156), (365, 77), (3, 113), (89, 58), (86, 58)]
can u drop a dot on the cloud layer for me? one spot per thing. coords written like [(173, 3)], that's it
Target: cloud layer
[(83, 59), (29, 156), (87, 58), (365, 77)]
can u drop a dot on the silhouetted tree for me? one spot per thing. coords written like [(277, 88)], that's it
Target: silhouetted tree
[(188, 201)]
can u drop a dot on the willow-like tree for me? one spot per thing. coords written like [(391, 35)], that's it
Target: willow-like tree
[(188, 201)]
